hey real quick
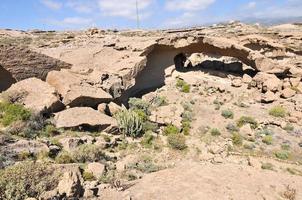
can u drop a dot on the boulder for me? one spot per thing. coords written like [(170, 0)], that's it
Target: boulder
[(71, 183), (76, 90), (97, 169), (81, 116), (36, 95), (268, 97), (113, 108), (288, 93), (295, 81), (169, 114), (236, 82), (102, 107), (267, 82), (273, 84), (247, 79)]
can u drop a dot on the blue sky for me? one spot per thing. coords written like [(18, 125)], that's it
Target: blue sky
[(81, 14)]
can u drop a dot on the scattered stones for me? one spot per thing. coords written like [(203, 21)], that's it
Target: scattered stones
[(169, 114), (70, 143)]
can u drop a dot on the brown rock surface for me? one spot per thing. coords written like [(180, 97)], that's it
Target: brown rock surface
[(36, 95), (75, 117)]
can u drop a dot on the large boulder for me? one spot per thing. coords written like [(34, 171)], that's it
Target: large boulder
[(76, 90), (36, 95), (83, 116), (97, 169)]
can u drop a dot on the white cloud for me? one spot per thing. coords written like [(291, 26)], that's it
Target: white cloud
[(52, 4), (80, 6), (188, 5), (251, 5), (73, 22), (124, 8)]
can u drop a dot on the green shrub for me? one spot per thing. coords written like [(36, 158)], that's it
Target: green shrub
[(285, 147), (183, 86), (87, 153), (88, 176), (177, 141), (145, 164), (144, 117), (237, 139), (215, 132), (27, 179), (265, 131), (130, 123), (171, 130), (64, 157), (232, 128), (278, 111), (228, 114), (267, 166), (149, 126), (268, 139), (50, 130), (186, 126), (10, 113), (139, 104), (159, 101), (283, 155), (147, 140), (289, 128), (247, 120)]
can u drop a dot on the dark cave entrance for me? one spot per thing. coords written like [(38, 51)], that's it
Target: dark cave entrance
[(6, 79), (213, 67)]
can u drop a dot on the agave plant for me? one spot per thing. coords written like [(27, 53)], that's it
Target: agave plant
[(129, 122)]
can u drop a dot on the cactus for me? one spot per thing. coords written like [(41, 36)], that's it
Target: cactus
[(129, 123)]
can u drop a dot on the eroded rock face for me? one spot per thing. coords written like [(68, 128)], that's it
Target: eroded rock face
[(36, 95), (84, 116), (24, 63)]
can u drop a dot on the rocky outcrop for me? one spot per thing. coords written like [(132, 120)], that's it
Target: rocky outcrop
[(76, 117), (76, 90), (22, 62), (36, 95)]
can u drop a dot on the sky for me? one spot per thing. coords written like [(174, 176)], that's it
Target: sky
[(121, 14)]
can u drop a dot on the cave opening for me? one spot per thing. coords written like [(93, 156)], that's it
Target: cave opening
[(162, 57), (6, 79)]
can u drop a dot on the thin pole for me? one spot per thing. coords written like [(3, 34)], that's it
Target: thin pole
[(137, 14)]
